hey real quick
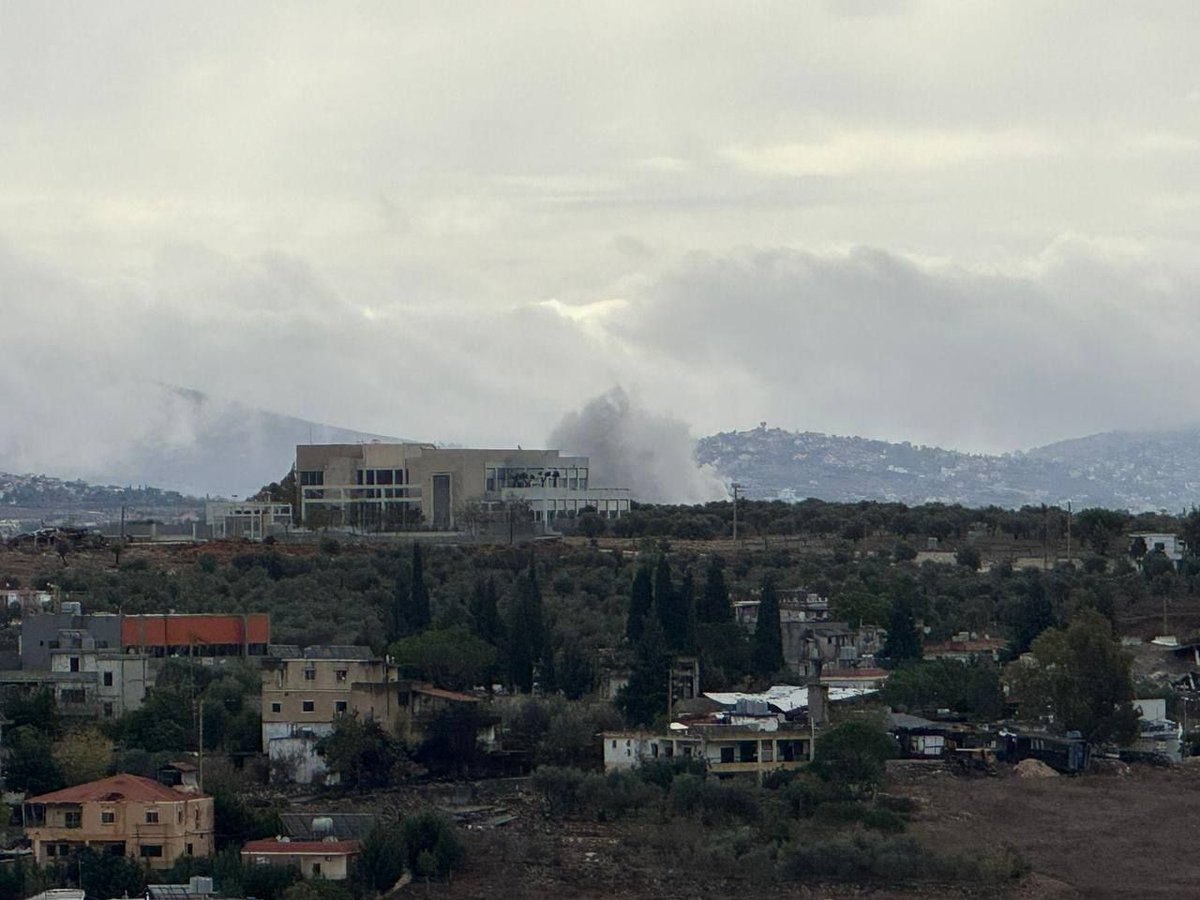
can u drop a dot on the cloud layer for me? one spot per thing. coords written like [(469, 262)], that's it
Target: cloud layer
[(957, 224)]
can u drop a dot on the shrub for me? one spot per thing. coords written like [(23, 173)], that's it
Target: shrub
[(852, 757), (427, 832), (559, 787), (897, 803), (883, 820), (867, 857), (839, 812)]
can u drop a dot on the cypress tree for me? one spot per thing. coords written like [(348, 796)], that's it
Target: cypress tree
[(714, 607), (666, 603), (526, 646), (903, 640), (418, 605), (766, 649), (644, 698), (685, 600), (641, 599), (398, 615), (485, 611)]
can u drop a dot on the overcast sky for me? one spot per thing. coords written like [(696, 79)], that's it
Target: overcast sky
[(965, 224)]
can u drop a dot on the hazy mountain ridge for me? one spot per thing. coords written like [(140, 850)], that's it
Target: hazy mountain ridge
[(1134, 470), (182, 440)]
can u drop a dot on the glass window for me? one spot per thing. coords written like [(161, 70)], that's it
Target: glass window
[(152, 817), (276, 707), (107, 817), (73, 818), (152, 850), (339, 706), (310, 674), (383, 476), (108, 679), (308, 706)]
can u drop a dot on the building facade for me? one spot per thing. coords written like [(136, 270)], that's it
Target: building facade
[(253, 520), (123, 814), (329, 859), (379, 486), (303, 693)]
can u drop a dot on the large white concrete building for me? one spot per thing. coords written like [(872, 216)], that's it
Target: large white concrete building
[(377, 485)]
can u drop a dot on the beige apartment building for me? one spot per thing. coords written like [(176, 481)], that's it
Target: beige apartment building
[(123, 814), (303, 693), (382, 486)]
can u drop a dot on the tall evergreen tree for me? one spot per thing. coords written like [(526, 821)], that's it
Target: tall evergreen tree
[(526, 629), (672, 615), (903, 640), (485, 611), (641, 603), (767, 645), (398, 625), (714, 606), (644, 698), (685, 600), (419, 613)]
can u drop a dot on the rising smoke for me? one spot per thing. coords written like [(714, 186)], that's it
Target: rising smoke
[(651, 454)]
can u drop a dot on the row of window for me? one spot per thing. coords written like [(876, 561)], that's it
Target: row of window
[(381, 476), (497, 478), (339, 706), (311, 477)]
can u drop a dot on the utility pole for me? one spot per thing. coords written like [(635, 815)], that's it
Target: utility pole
[(736, 487), (200, 767)]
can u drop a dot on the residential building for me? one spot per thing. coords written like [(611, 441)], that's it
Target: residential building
[(250, 519), (100, 665), (303, 693), (965, 647), (1172, 545), (382, 486), (811, 640), (745, 735), (157, 636), (123, 814), (329, 858)]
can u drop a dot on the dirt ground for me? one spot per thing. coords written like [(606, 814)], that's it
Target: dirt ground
[(1093, 836), (1096, 836)]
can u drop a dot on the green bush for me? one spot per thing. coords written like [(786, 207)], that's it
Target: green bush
[(883, 820), (864, 857), (838, 813), (428, 832)]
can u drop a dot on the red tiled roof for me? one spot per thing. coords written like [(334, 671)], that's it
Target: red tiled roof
[(328, 848), (115, 788), (179, 630)]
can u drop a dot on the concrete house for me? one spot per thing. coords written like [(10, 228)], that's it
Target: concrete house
[(304, 691), (122, 814), (329, 858)]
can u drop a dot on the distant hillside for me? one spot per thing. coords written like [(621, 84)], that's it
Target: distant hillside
[(27, 501), (1134, 470), (200, 445)]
